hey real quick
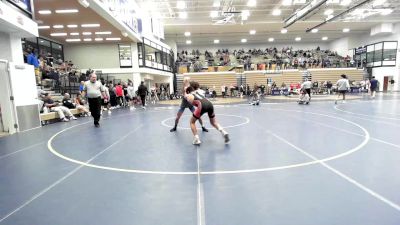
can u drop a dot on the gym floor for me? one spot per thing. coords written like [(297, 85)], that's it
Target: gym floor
[(317, 164)]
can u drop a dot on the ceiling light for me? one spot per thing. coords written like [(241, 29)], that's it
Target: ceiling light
[(329, 17), (43, 27), (314, 30), (386, 12), (113, 39), (103, 32), (74, 34), (252, 32), (43, 12), (276, 12), (284, 31), (98, 39), (345, 30), (298, 2), (72, 26), (183, 15), (297, 39), (213, 14), (332, 2), (345, 2), (252, 3), (328, 12), (378, 2), (216, 4), (324, 38), (67, 11), (271, 39), (58, 34), (187, 34), (216, 41), (188, 42), (287, 2), (180, 4), (243, 40), (73, 40), (86, 33), (91, 25), (245, 13), (58, 26), (87, 39)]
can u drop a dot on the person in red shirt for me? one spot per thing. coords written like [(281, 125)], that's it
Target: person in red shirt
[(120, 94)]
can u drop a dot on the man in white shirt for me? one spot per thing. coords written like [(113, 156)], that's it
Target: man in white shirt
[(342, 87), (306, 86), (94, 90)]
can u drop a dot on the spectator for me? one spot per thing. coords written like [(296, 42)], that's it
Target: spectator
[(120, 94), (59, 109), (342, 86), (67, 102), (373, 86), (142, 92)]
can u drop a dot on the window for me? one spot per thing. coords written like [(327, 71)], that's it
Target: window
[(125, 55)]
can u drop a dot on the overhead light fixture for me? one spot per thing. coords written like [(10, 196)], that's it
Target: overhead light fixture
[(251, 3), (87, 39), (58, 34), (74, 34), (98, 39), (299, 2), (216, 4), (187, 34), (332, 2), (43, 27), (245, 14), (188, 42), (58, 26), (72, 26), (328, 12), (73, 40), (213, 14), (113, 39), (284, 31), (86, 33), (287, 2), (103, 32), (386, 12), (44, 12), (252, 32), (271, 39), (243, 40), (216, 41), (180, 4), (345, 2), (378, 3), (314, 30), (67, 11), (297, 39), (324, 38), (346, 30), (329, 17), (124, 34), (276, 12), (183, 15), (91, 25)]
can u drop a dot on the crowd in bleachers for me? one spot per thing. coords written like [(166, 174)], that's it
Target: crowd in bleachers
[(258, 59)]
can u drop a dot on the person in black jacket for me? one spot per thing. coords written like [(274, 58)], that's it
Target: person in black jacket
[(142, 91)]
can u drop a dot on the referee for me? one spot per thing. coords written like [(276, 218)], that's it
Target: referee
[(93, 90)]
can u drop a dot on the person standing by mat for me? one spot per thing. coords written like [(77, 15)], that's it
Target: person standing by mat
[(142, 92), (185, 104), (342, 87), (94, 90), (306, 86), (373, 86), (203, 105)]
